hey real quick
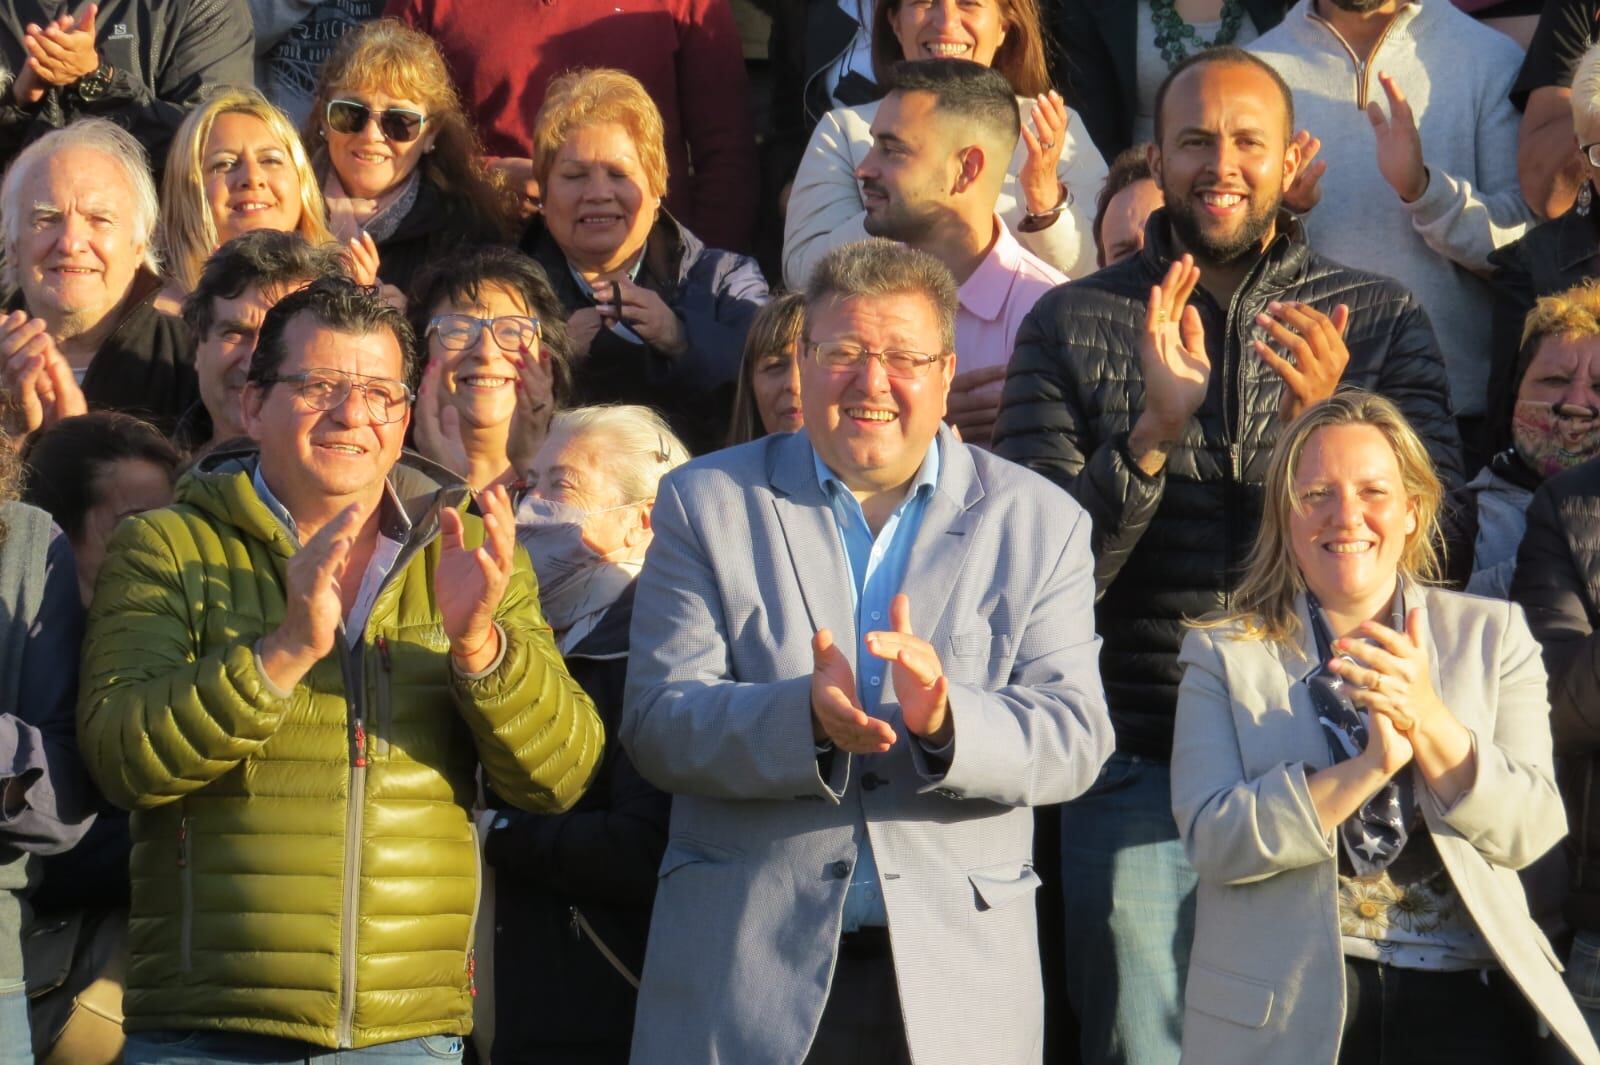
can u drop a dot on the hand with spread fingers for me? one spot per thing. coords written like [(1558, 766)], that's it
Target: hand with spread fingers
[(470, 582), (1041, 188), (1172, 352), (836, 716), (919, 680), (1305, 190), (1316, 342), (536, 403), (1398, 142), (313, 607), (436, 425)]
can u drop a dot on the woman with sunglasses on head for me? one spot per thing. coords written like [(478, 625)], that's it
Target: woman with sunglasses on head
[(236, 165), (400, 165), (654, 316), (1361, 763), (496, 367)]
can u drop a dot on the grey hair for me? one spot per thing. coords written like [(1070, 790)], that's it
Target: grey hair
[(881, 267), (1586, 87), (97, 135), (640, 447)]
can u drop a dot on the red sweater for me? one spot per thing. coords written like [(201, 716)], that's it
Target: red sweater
[(503, 55)]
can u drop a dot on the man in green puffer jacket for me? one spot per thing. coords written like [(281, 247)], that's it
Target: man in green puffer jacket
[(290, 677)]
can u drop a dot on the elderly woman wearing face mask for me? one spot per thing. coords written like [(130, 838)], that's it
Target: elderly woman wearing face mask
[(1360, 765), (497, 366), (654, 316), (575, 890), (1546, 421)]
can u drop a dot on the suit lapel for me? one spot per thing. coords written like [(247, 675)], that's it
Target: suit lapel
[(940, 551), (812, 536), (1285, 726)]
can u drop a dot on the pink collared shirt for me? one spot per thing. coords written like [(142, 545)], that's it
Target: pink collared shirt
[(994, 300)]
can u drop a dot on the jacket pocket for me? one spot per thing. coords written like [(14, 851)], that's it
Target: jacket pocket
[(1238, 999), (996, 885), (980, 645)]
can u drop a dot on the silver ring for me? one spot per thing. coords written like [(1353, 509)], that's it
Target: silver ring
[(1047, 145), (1377, 685)]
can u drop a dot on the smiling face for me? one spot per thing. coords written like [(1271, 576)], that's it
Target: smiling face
[(949, 29), (79, 248), (1224, 159), (319, 461), (907, 175), (370, 164), (481, 381), (870, 429), (1351, 518), (597, 200), (222, 356), (250, 178), (1122, 229)]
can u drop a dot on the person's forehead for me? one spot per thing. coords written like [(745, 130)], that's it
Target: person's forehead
[(235, 129), (1356, 450), (1558, 350), (250, 305), (494, 298), (904, 113), (311, 344), (80, 174), (1210, 94), (896, 313)]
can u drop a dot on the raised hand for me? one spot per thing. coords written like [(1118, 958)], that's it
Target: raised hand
[(1040, 186), (436, 425), (61, 52), (470, 582), (313, 606), (919, 680), (1305, 190), (36, 374), (835, 714), (973, 404), (1398, 142), (361, 255), (1316, 341), (535, 406), (1172, 352)]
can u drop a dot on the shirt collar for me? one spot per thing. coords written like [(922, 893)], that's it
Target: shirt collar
[(985, 292), (926, 480), (393, 521)]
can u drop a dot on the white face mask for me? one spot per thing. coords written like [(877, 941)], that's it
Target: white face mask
[(575, 580)]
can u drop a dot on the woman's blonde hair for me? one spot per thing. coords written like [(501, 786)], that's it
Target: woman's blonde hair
[(188, 226), (1020, 57), (1263, 604), (388, 56), (601, 96)]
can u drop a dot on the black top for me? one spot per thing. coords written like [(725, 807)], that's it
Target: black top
[(1566, 29)]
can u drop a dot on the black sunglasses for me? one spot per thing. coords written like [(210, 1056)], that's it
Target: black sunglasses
[(399, 124)]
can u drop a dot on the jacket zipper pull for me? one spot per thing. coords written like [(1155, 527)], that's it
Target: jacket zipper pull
[(361, 744), (183, 842), (383, 654), (577, 932), (472, 972)]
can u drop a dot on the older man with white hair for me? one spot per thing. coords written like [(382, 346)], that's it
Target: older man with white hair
[(78, 211)]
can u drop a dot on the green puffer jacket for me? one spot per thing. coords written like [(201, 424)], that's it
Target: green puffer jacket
[(265, 900)]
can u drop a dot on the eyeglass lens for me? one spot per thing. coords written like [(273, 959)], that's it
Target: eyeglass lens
[(326, 390), (457, 332), (396, 123)]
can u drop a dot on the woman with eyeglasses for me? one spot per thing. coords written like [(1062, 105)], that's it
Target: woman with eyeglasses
[(1361, 764), (496, 367), (400, 165), (654, 316), (574, 891), (236, 165)]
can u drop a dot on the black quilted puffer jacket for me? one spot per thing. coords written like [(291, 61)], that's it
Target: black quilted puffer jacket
[(1172, 547), (1558, 584)]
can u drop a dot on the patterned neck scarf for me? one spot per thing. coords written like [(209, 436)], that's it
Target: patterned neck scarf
[(1376, 833)]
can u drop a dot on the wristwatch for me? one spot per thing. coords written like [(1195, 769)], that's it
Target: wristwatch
[(93, 85)]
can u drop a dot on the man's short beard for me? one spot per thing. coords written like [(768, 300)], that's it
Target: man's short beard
[(1247, 238), (900, 222)]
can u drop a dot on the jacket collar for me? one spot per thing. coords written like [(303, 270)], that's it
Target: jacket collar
[(1283, 258), (669, 253)]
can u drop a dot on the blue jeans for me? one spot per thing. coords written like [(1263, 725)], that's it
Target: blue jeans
[(237, 1048), (1129, 895), (16, 1040), (1583, 977)]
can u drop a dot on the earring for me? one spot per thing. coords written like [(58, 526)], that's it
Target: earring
[(1585, 197)]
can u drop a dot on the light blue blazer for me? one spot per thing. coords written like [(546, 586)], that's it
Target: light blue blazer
[(746, 566)]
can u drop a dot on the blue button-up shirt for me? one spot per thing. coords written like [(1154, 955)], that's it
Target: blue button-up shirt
[(877, 569)]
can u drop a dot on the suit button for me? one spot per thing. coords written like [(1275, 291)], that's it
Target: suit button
[(840, 870), (872, 781)]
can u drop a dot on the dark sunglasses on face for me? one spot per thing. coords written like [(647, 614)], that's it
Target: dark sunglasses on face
[(399, 124)]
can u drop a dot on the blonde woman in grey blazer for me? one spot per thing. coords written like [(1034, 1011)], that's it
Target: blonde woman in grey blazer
[(1364, 905)]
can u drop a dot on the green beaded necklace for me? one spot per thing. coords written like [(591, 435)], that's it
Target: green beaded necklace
[(1175, 37)]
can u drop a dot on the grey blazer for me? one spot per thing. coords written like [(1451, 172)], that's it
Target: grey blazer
[(1266, 975), (746, 565)]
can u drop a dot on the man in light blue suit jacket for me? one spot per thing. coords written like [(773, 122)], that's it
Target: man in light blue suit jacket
[(860, 653)]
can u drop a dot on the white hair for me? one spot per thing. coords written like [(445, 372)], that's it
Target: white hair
[(90, 134), (640, 447), (1586, 87)]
